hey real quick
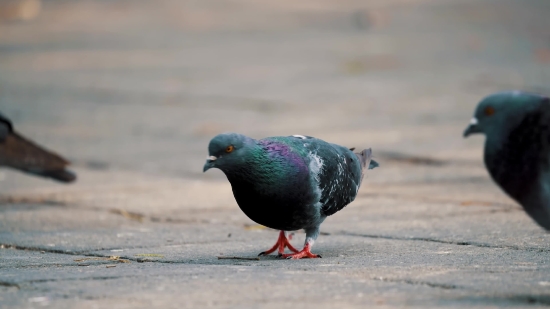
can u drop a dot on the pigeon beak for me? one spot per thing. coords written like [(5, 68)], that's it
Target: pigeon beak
[(472, 128), (210, 161)]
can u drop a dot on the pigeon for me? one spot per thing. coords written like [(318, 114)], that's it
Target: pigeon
[(289, 183), (20, 153), (517, 148)]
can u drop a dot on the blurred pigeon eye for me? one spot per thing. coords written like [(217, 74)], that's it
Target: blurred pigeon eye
[(489, 110), (229, 148)]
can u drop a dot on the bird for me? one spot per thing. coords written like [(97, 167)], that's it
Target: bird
[(289, 183), (517, 147), (22, 154)]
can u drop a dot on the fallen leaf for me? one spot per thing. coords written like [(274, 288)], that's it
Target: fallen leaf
[(118, 259), (480, 203), (150, 255), (110, 258), (128, 215), (371, 63), (252, 227)]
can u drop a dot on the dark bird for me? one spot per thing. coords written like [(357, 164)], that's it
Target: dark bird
[(289, 182), (517, 148), (20, 153)]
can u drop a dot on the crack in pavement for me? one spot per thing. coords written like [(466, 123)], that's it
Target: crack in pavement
[(69, 252), (47, 265), (341, 233), (384, 279), (112, 249), (23, 283), (10, 284), (57, 251), (450, 242), (76, 279), (89, 254), (416, 282)]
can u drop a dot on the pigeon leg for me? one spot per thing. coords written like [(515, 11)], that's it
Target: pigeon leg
[(311, 235), (281, 243)]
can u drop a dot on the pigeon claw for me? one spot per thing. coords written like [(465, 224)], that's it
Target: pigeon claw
[(280, 245), (305, 253), (301, 255)]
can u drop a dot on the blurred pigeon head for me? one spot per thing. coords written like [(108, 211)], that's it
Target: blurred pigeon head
[(496, 114)]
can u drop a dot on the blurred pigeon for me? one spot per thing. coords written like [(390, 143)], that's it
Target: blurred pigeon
[(21, 154), (517, 148), (289, 182)]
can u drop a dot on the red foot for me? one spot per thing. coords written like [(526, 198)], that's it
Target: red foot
[(305, 253), (281, 243)]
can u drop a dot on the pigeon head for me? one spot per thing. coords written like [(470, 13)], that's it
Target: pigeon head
[(499, 112), (226, 151)]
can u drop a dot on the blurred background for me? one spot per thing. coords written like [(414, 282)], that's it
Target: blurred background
[(143, 85), (131, 91)]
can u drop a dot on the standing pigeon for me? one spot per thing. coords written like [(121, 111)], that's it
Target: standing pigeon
[(19, 153), (289, 183), (517, 148)]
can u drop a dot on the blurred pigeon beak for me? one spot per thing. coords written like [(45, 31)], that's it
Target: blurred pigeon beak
[(209, 163), (472, 128)]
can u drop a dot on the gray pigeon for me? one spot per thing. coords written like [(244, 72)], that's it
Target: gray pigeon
[(517, 148), (289, 182), (19, 153)]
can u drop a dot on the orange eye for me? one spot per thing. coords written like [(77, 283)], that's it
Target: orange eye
[(489, 110), (229, 148)]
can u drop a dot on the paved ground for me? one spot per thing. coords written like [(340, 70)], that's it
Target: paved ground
[(132, 91)]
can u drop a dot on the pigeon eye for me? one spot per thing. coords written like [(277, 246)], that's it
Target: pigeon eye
[(489, 110), (229, 148)]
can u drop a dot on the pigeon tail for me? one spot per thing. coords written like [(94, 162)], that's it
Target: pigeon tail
[(22, 154), (62, 175), (365, 158), (373, 164)]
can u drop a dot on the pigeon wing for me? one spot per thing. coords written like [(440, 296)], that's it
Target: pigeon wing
[(340, 177)]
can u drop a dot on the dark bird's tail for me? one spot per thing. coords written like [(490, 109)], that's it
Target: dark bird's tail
[(62, 175), (19, 153), (365, 158), (373, 164)]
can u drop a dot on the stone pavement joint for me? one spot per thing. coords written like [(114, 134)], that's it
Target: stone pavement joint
[(458, 243)]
